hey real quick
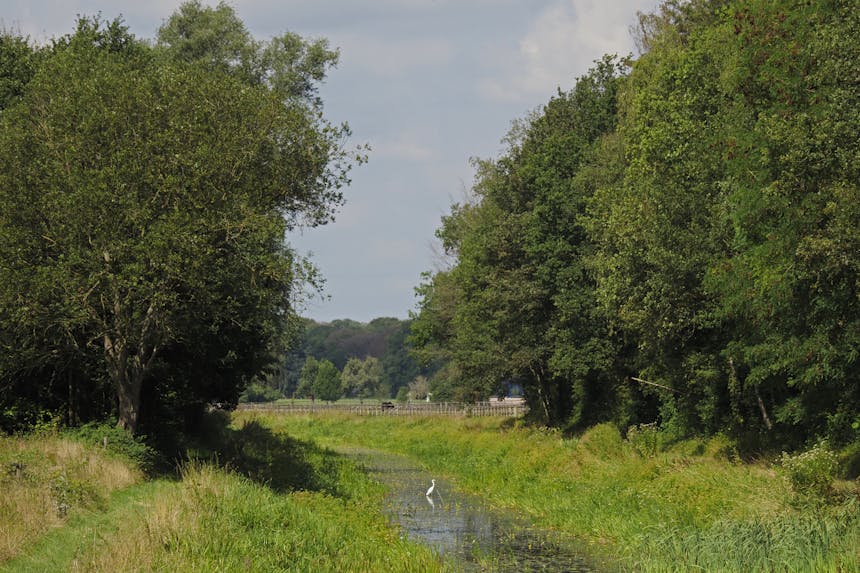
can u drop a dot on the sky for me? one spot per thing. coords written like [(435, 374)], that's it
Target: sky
[(428, 84)]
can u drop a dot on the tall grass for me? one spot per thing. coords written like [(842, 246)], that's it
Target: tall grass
[(219, 521), (688, 509), (255, 501), (46, 479)]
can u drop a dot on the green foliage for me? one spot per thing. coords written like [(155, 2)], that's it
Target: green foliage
[(402, 394), (327, 384), (361, 378), (117, 441), (382, 339), (68, 493), (307, 377), (217, 38), (518, 304), (18, 63), (644, 439), (257, 392), (148, 259), (811, 473), (688, 220), (603, 441)]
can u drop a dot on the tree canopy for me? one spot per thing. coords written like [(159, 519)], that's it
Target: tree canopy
[(145, 193), (675, 239)]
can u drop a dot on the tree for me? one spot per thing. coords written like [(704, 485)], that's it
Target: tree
[(307, 377), (519, 303), (398, 367), (217, 38), (419, 388), (361, 378), (341, 340), (144, 206), (18, 63), (651, 219), (327, 382), (721, 243)]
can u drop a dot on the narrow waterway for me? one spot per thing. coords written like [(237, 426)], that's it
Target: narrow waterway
[(462, 528)]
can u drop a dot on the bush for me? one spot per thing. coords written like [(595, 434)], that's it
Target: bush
[(117, 441), (67, 493), (603, 441), (403, 394), (812, 472), (849, 461), (721, 447), (257, 392), (644, 439)]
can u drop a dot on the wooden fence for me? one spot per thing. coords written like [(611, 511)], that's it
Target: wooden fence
[(512, 408)]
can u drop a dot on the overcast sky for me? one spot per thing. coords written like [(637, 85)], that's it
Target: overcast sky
[(427, 83)]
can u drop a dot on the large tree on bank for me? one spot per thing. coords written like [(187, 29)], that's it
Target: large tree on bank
[(519, 305), (144, 199), (693, 262)]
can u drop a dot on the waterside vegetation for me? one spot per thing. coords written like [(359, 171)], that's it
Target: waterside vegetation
[(691, 506), (251, 500)]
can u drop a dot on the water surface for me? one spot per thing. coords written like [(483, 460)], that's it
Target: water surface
[(462, 528)]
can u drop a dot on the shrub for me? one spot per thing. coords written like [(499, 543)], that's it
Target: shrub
[(68, 492), (721, 447), (403, 394), (849, 461), (603, 440), (257, 392), (812, 472), (117, 441), (644, 439)]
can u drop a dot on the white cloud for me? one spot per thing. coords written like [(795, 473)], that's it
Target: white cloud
[(561, 44)]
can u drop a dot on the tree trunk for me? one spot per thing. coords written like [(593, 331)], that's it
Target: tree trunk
[(129, 360), (128, 389), (72, 409), (763, 410), (127, 375)]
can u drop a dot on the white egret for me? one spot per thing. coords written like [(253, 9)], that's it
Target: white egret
[(430, 491)]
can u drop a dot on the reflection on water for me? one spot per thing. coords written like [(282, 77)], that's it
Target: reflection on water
[(460, 527)]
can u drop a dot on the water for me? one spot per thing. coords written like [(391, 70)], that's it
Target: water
[(462, 528)]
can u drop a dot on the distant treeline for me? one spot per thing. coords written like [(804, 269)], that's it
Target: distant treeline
[(343, 342), (675, 240)]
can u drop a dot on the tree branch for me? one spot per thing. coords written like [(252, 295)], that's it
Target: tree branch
[(657, 385)]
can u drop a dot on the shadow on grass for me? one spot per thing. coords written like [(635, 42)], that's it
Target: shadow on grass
[(277, 460)]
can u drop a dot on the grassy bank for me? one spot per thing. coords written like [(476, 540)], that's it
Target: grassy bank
[(44, 480), (687, 509), (281, 505)]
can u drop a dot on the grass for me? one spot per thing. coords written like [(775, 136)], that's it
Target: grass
[(219, 521), (687, 509), (46, 479), (253, 501), (68, 548), (261, 495)]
